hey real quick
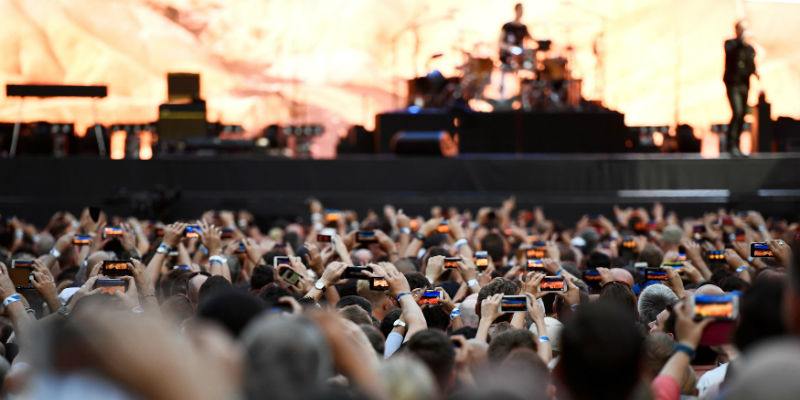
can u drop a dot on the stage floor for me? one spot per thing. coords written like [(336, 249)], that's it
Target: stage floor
[(567, 185)]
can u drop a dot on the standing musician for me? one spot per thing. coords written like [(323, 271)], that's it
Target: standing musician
[(739, 65)]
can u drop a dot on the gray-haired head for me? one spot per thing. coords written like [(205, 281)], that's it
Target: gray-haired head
[(287, 358), (652, 301)]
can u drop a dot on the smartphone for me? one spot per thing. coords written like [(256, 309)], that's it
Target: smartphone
[(677, 265), (451, 262), (553, 284), (112, 232), (21, 273), (481, 260), (324, 238), (82, 240), (378, 283), (366, 237), (760, 249), (716, 255), (655, 274), (332, 215), (183, 267), (110, 286), (699, 229), (721, 307), (640, 265), (515, 303), (226, 234), (356, 273), (117, 268), (592, 276), (277, 261), (432, 297), (192, 231), (443, 227), (289, 275), (740, 235), (534, 264)]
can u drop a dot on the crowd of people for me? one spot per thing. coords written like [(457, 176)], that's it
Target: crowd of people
[(499, 302)]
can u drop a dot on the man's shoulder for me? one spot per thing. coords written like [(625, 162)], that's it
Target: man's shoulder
[(731, 44)]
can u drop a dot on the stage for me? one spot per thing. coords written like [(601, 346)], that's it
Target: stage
[(567, 186)]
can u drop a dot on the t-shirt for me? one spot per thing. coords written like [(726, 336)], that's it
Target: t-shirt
[(708, 384), (739, 62), (513, 34)]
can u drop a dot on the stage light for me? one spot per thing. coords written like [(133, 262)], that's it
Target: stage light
[(145, 145), (118, 139), (658, 138)]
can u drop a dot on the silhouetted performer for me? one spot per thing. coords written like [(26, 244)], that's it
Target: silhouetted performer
[(739, 65), (512, 37)]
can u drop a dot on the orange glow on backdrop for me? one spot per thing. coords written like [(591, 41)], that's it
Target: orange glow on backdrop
[(340, 62)]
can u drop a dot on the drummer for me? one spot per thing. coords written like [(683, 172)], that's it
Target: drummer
[(512, 38)]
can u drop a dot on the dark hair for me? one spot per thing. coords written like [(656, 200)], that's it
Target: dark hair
[(436, 318), (620, 294), (270, 295), (658, 347), (600, 353), (760, 311), (212, 286), (355, 300), (417, 281), (504, 343), (387, 323), (230, 308), (500, 285), (262, 276), (467, 331), (434, 349), (375, 337), (492, 243), (597, 259)]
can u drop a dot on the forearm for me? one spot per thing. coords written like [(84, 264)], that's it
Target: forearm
[(544, 349), (518, 320), (676, 366), (413, 316), (413, 248), (403, 241), (483, 330)]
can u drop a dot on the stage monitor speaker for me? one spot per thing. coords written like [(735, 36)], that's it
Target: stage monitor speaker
[(180, 121), (358, 141), (424, 143), (183, 87)]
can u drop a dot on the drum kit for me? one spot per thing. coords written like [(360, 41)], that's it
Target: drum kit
[(543, 80)]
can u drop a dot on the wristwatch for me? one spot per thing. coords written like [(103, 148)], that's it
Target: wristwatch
[(399, 322), (320, 284)]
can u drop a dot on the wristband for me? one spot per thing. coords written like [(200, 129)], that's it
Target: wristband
[(461, 242), (217, 259), (762, 228), (204, 249), (399, 296), (406, 231), (559, 271), (19, 234), (316, 217), (55, 253), (574, 307), (740, 269), (318, 226), (455, 313), (11, 299), (163, 249), (472, 282), (420, 237), (543, 339), (750, 259), (684, 348)]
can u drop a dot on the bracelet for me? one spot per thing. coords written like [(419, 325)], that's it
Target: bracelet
[(163, 248), (11, 299), (316, 217), (63, 311), (30, 311), (684, 348), (399, 296), (573, 307), (472, 282), (559, 271), (55, 253), (543, 339), (741, 269), (455, 313), (406, 230), (217, 259), (460, 243), (420, 237), (750, 259)]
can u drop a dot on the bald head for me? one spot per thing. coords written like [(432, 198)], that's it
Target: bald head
[(621, 275), (709, 290)]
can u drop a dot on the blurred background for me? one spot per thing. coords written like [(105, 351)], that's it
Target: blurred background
[(336, 64)]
